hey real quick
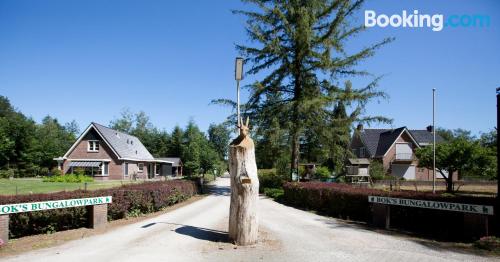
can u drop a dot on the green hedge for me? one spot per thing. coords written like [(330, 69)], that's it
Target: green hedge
[(350, 202), (128, 200)]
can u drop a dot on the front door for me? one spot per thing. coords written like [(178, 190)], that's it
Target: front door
[(150, 171)]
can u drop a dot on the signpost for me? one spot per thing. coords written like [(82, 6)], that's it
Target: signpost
[(475, 216), (447, 206), (97, 211), (46, 205)]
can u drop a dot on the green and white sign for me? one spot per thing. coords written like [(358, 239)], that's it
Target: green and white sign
[(46, 205), (448, 206)]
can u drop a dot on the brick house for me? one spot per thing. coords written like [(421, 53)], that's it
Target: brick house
[(108, 154), (395, 149)]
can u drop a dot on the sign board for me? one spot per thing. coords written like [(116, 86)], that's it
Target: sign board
[(448, 206), (46, 205)]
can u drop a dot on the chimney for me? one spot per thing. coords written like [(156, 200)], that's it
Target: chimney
[(430, 128), (360, 127)]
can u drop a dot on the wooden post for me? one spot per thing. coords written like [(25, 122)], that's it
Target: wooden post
[(243, 221)]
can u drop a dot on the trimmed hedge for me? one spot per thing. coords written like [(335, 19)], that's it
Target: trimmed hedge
[(128, 199), (350, 202)]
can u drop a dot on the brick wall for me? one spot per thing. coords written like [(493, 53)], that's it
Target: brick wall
[(4, 228)]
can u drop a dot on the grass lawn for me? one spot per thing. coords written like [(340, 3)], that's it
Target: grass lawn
[(35, 185)]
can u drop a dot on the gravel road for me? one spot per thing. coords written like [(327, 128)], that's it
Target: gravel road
[(197, 232)]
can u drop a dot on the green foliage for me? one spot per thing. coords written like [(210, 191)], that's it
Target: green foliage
[(274, 193), (322, 173), (56, 172), (458, 155), (377, 170), (7, 173), (69, 178), (270, 180), (300, 46), (283, 167), (219, 136), (27, 147)]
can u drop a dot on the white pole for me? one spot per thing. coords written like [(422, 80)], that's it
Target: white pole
[(433, 141), (238, 101)]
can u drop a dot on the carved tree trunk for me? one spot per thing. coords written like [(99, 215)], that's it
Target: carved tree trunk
[(243, 222)]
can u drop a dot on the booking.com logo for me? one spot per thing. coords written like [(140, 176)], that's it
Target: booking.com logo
[(416, 20)]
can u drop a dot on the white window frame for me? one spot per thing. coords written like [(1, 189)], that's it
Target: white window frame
[(104, 167), (125, 168), (92, 145), (140, 167)]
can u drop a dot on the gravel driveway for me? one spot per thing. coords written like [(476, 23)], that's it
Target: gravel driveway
[(197, 232)]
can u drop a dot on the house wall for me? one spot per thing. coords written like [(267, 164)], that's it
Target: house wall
[(81, 152)]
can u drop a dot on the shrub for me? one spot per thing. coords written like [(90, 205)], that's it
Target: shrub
[(128, 200), (69, 178), (56, 172), (489, 243), (274, 193), (269, 180), (8, 173), (349, 202), (377, 171), (322, 173)]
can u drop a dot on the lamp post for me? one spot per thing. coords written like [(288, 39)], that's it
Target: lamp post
[(498, 149), (238, 75), (433, 141)]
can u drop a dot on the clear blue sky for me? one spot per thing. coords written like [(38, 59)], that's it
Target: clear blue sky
[(87, 60)]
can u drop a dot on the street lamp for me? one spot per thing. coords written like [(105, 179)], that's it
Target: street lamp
[(238, 75), (498, 147), (433, 141)]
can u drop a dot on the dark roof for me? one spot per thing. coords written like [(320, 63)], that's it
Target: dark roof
[(176, 161), (370, 138), (386, 140), (425, 137), (125, 145), (378, 141)]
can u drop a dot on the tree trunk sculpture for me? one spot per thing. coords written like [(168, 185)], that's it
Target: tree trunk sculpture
[(243, 222)]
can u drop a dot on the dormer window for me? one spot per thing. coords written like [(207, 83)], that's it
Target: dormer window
[(93, 146)]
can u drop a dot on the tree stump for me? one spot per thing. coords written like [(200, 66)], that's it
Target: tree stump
[(243, 221)]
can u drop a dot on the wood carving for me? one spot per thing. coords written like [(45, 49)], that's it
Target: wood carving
[(243, 221)]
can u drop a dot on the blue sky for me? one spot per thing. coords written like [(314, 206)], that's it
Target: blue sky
[(87, 60)]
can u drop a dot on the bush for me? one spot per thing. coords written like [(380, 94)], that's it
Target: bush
[(8, 173), (349, 202), (128, 200), (69, 178), (489, 243), (269, 180), (377, 171), (56, 172), (322, 173), (274, 193)]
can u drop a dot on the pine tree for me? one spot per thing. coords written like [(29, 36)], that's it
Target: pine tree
[(302, 43)]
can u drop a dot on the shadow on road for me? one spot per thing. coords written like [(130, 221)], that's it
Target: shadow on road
[(203, 233), (217, 190)]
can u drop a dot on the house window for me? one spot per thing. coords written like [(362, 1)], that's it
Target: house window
[(93, 146), (141, 167), (105, 168), (125, 169)]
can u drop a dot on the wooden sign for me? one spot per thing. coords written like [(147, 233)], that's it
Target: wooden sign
[(45, 205), (448, 206)]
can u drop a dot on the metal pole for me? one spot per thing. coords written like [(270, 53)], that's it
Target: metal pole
[(498, 147), (433, 140), (238, 101)]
